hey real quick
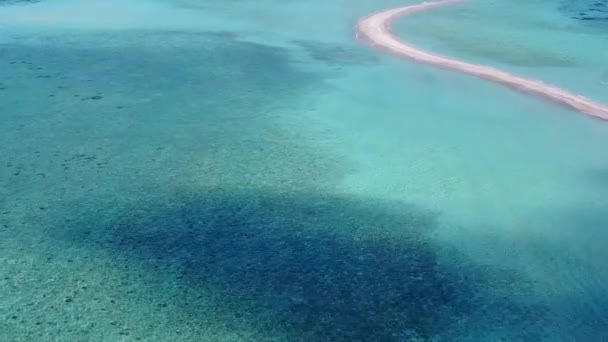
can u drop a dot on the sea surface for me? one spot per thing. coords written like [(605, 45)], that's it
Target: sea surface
[(245, 170)]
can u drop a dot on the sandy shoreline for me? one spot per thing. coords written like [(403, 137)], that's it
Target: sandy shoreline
[(374, 30)]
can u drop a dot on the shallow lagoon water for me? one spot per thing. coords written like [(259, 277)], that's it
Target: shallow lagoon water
[(226, 171)]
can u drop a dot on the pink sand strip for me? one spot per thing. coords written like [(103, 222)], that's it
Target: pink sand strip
[(374, 30)]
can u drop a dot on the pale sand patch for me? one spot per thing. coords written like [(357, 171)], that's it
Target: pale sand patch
[(374, 29)]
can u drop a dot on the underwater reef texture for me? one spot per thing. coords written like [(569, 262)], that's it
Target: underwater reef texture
[(587, 10), (125, 217), (17, 2)]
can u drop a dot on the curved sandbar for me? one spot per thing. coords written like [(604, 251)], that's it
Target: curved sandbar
[(374, 30)]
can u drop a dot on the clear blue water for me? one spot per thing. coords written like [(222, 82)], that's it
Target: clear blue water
[(181, 170)]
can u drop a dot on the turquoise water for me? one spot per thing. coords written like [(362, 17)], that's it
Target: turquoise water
[(181, 170)]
